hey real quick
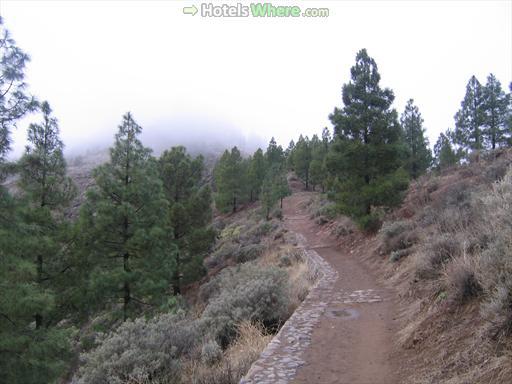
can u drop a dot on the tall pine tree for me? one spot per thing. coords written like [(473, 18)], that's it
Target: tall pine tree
[(190, 212), (275, 188), (33, 347), (28, 355), (302, 159), (495, 112), (132, 256), (419, 156), (367, 157), (48, 190), (15, 102), (470, 119), (274, 154), (230, 180), (289, 155), (445, 155), (256, 173)]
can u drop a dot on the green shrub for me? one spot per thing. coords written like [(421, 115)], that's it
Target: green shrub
[(344, 226), (399, 254), (370, 223), (211, 352), (251, 234), (219, 257), (290, 257), (328, 210), (321, 220), (397, 236), (140, 350), (231, 232), (265, 228), (392, 229), (249, 252), (246, 292)]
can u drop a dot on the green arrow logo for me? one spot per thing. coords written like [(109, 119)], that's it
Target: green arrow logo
[(190, 10)]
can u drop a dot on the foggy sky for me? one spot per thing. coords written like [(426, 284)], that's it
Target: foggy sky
[(243, 79)]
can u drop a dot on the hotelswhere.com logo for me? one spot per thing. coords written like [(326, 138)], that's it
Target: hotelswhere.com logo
[(254, 10)]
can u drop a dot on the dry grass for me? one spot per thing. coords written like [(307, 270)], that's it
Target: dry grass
[(456, 285), (236, 360), (435, 254), (301, 282), (460, 280), (300, 276), (279, 252), (251, 341)]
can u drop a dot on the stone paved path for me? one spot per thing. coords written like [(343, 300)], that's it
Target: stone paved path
[(342, 332)]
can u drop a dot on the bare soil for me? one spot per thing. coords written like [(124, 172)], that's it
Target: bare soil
[(354, 341)]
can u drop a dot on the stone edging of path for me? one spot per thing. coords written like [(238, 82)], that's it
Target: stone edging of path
[(280, 360)]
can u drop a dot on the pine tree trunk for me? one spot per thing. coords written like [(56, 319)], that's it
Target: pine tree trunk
[(281, 205), (177, 286), (493, 134), (38, 317), (126, 288)]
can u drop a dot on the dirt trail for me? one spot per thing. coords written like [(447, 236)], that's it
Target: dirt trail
[(353, 340)]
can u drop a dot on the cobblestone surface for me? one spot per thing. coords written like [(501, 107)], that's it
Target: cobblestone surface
[(279, 362), (281, 359)]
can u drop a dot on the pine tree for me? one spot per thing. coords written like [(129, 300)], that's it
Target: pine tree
[(274, 154), (326, 138), (42, 167), (470, 119), (317, 169), (256, 173), (367, 155), (281, 187), (14, 99), (48, 190), (495, 107), (302, 159), (445, 156), (267, 196), (133, 259), (275, 188), (189, 212), (31, 251), (230, 180), (289, 155), (419, 156), (318, 172), (28, 354), (181, 175)]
